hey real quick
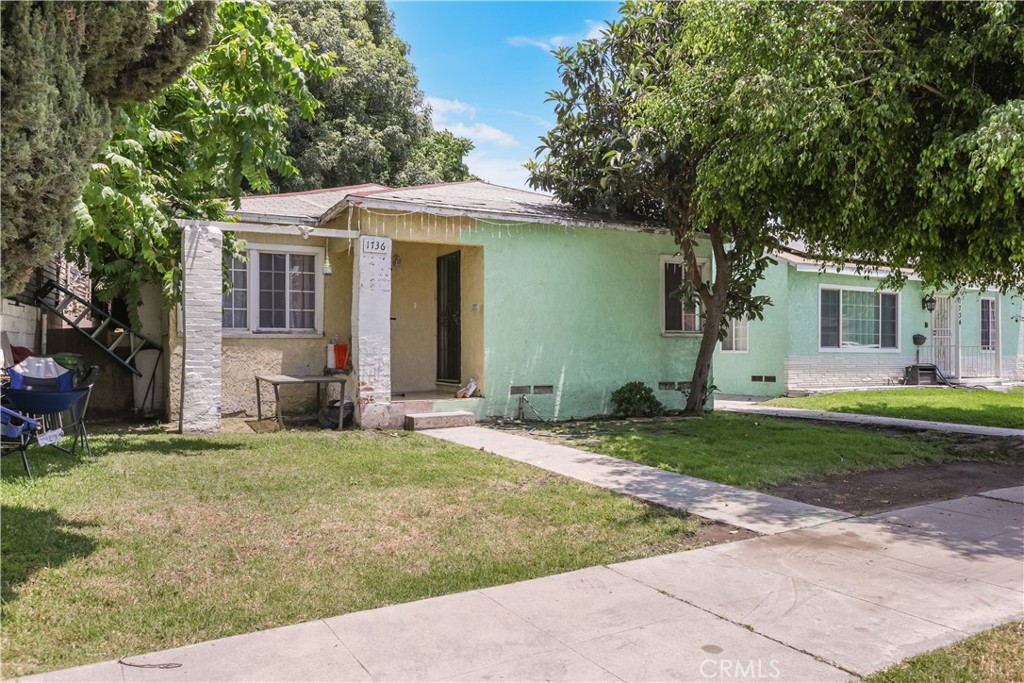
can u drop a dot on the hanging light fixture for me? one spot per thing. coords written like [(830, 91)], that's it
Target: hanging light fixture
[(928, 303)]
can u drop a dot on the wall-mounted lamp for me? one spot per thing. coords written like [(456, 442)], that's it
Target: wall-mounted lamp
[(928, 303)]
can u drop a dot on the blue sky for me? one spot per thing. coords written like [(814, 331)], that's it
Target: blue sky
[(485, 68)]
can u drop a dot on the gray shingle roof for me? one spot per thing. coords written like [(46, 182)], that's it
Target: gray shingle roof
[(310, 204), (484, 198), (471, 198)]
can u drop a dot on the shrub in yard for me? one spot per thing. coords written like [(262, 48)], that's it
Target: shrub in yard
[(636, 399)]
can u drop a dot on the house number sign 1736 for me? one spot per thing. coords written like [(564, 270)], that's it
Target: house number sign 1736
[(375, 246)]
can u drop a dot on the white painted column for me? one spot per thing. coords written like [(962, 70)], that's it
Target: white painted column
[(371, 334), (201, 287)]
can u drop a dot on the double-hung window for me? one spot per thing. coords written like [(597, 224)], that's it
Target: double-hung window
[(737, 339), (858, 319), (989, 325), (678, 317), (278, 290)]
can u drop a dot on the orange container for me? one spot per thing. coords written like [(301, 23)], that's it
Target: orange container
[(340, 356)]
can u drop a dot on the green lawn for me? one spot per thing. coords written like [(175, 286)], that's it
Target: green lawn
[(159, 540), (758, 452), (962, 406), (994, 655)]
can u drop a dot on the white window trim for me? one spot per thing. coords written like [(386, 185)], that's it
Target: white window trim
[(995, 324), (722, 349), (253, 250), (702, 263), (859, 349)]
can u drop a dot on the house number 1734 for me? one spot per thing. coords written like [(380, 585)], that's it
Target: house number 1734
[(375, 246)]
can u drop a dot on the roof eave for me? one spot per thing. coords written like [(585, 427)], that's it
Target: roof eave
[(484, 214)]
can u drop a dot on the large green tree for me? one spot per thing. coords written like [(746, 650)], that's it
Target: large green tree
[(607, 154), (188, 152), (374, 125), (66, 66), (883, 132)]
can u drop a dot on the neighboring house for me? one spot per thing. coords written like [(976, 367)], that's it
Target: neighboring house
[(27, 320), (25, 323), (829, 330), (549, 309)]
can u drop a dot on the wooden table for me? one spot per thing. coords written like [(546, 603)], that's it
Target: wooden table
[(277, 380)]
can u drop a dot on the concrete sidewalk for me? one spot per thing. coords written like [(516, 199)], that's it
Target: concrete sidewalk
[(823, 604), (739, 507), (737, 406)]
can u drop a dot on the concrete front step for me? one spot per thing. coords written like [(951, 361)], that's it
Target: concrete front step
[(415, 422)]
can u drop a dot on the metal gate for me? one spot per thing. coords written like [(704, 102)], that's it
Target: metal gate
[(449, 318), (942, 336)]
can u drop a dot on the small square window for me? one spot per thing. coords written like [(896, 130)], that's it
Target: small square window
[(275, 291), (738, 336)]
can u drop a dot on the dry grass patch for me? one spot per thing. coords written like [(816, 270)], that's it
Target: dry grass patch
[(159, 541)]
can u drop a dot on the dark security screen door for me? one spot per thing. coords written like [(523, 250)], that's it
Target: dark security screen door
[(449, 322)]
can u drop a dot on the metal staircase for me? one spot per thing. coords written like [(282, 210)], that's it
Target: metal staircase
[(56, 299)]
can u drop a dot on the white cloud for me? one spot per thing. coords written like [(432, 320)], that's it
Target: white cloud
[(481, 133), (459, 117), (548, 43), (441, 109)]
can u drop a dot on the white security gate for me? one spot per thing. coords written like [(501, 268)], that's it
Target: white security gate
[(942, 336)]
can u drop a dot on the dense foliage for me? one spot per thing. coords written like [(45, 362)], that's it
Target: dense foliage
[(884, 132), (65, 67), (220, 126), (374, 125)]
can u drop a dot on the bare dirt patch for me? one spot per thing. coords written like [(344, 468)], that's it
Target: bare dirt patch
[(869, 492), (713, 533)]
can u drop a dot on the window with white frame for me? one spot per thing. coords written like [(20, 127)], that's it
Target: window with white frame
[(278, 290), (678, 317), (989, 325), (858, 319), (737, 339), (236, 305)]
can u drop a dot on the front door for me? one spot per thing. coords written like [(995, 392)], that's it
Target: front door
[(449, 318), (942, 335)]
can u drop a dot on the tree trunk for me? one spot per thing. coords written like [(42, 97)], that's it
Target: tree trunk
[(713, 302)]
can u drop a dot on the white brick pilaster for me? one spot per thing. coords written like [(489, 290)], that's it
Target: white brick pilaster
[(201, 287), (371, 331)]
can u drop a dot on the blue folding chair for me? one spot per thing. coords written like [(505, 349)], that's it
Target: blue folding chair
[(45, 390), (18, 429)]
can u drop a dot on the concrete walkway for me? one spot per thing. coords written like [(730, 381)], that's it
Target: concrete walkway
[(739, 507), (827, 603), (853, 418)]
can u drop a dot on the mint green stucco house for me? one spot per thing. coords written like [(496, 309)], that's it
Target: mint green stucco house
[(547, 308), (831, 330)]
